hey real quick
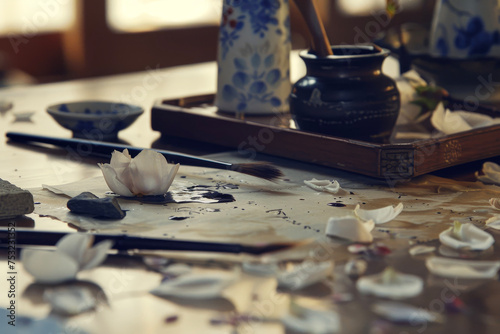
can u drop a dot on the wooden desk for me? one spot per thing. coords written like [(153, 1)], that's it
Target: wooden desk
[(126, 282)]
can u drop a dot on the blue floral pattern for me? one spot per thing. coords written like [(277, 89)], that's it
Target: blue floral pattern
[(471, 36), (254, 46), (253, 82)]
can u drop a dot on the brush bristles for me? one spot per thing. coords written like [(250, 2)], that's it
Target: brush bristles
[(259, 169)]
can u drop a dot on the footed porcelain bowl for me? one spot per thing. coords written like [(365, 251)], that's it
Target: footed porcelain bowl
[(95, 120)]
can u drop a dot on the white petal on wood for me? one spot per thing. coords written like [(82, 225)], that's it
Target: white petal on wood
[(405, 313), (455, 268), (176, 269), (74, 245), (323, 185), (491, 173), (493, 222), (96, 255), (401, 286), (495, 203), (195, 286), (113, 182), (306, 320), (304, 275), (350, 228), (450, 122), (381, 215), (421, 249), (470, 237), (70, 300), (260, 269), (49, 266)]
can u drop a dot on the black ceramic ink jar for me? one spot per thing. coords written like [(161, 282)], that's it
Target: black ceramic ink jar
[(346, 95)]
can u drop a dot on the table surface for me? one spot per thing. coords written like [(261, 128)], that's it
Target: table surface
[(125, 280)]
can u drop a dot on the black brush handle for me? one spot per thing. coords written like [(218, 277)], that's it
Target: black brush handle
[(124, 242), (104, 149)]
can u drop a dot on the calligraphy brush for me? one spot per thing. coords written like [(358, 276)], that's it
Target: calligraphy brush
[(103, 149), (309, 11), (124, 242)]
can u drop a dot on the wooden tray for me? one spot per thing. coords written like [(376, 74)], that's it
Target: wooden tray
[(196, 118)]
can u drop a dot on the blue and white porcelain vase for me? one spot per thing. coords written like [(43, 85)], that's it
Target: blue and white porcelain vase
[(465, 29), (254, 57)]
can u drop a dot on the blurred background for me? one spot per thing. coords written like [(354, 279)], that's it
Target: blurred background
[(56, 40)]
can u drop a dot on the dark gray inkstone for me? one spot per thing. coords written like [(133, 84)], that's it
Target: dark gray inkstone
[(14, 201), (89, 204)]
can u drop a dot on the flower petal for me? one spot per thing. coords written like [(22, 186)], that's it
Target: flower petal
[(70, 300), (399, 286), (491, 173), (147, 169), (74, 245), (193, 286), (120, 159), (168, 178), (495, 202), (304, 275), (350, 228), (323, 185), (113, 182), (455, 268), (493, 222), (96, 255), (307, 320), (49, 266), (405, 313), (470, 237), (381, 215)]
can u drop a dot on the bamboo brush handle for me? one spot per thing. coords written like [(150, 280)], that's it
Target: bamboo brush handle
[(321, 44)]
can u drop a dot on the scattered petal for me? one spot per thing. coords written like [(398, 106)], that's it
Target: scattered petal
[(195, 286), (75, 244), (305, 274), (96, 255), (495, 203), (49, 266), (455, 268), (70, 300), (493, 222), (466, 236), (405, 313), (306, 320), (176, 269), (381, 215), (350, 228), (148, 173), (73, 253), (421, 249), (491, 173), (450, 122), (323, 185), (391, 284), (261, 269), (355, 268)]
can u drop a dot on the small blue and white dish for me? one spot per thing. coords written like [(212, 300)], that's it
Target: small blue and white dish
[(95, 120)]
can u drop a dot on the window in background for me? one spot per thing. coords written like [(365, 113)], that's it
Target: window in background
[(367, 7), (145, 15), (30, 17)]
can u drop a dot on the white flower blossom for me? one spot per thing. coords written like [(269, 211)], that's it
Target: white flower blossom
[(148, 173)]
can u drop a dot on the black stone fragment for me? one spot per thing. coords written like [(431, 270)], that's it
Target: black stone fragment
[(89, 204)]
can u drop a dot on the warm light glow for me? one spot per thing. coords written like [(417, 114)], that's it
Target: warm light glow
[(367, 7), (31, 17), (140, 15)]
